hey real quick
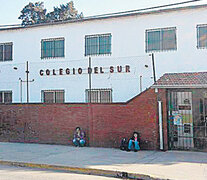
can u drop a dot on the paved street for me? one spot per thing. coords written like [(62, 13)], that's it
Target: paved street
[(179, 165), (17, 173)]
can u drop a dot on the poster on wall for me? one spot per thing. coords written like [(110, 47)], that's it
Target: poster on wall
[(177, 118)]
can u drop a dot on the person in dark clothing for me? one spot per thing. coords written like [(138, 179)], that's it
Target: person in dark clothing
[(134, 142), (79, 137), (124, 144)]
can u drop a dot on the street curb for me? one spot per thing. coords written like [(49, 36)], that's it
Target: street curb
[(88, 171)]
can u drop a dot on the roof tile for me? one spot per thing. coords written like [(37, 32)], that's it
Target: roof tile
[(190, 78)]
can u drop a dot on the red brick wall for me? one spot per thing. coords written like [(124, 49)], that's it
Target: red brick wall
[(41, 123), (112, 122), (104, 124)]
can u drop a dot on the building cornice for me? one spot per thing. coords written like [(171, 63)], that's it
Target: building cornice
[(107, 16)]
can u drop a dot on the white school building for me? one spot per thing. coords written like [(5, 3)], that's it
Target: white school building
[(118, 45)]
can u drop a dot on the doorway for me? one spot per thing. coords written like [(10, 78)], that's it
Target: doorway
[(187, 119)]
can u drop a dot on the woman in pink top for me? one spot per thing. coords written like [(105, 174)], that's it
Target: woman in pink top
[(134, 143)]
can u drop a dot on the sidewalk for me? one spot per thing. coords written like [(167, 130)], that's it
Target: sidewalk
[(166, 165)]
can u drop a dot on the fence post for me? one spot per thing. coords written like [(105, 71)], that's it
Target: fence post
[(90, 73)]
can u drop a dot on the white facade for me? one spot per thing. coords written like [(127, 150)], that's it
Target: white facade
[(128, 48)]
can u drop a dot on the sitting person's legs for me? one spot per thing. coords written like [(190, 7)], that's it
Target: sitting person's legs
[(82, 142), (133, 142), (136, 145), (76, 142), (130, 144)]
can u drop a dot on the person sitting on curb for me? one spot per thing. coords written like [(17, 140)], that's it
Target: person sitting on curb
[(134, 143), (79, 137)]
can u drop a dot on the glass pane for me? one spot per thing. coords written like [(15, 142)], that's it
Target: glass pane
[(94, 96), (59, 48), (8, 52), (169, 39), (48, 49), (87, 46), (44, 49), (99, 96), (52, 48), (105, 96), (153, 41), (49, 97), (59, 97), (202, 36), (105, 44), (1, 52), (7, 97), (1, 97), (91, 45)]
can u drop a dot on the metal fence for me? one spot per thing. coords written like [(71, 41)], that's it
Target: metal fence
[(187, 119)]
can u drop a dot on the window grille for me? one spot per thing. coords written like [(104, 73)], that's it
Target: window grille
[(6, 51), (161, 39), (51, 48), (202, 36), (53, 96), (97, 44), (5, 96), (99, 95)]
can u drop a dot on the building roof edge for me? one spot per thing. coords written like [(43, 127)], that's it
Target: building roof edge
[(105, 16)]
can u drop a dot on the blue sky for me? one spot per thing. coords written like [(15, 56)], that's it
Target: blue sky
[(10, 9)]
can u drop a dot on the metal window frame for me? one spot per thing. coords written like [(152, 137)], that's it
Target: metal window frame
[(51, 40), (198, 35), (3, 92), (7, 43), (54, 95), (98, 46), (161, 39), (99, 94)]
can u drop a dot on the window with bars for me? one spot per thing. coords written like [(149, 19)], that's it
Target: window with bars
[(51, 48), (161, 39), (5, 96), (99, 95), (53, 96), (202, 36), (6, 51), (97, 44)]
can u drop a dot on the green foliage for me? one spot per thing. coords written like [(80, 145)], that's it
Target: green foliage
[(64, 12), (34, 13)]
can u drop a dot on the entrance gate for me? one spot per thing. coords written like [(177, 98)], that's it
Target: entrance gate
[(187, 119)]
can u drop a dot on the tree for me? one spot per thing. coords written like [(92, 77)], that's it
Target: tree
[(64, 12), (33, 13)]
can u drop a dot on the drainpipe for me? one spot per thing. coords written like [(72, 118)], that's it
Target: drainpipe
[(160, 125)]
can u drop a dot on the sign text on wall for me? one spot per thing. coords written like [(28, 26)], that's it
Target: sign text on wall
[(95, 70)]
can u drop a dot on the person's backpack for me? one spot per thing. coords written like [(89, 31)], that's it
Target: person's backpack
[(124, 144)]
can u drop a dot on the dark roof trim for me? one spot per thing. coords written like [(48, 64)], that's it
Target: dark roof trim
[(108, 16), (179, 86)]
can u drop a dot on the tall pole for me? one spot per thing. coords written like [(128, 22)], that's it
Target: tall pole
[(20, 89), (153, 66), (27, 81), (90, 72), (90, 109), (140, 77)]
